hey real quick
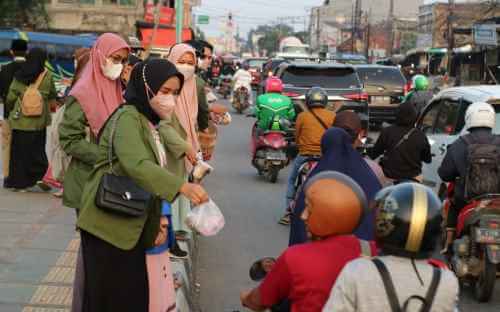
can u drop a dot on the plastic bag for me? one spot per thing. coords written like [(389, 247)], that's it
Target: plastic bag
[(206, 219)]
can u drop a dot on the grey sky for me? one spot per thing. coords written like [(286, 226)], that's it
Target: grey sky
[(250, 13)]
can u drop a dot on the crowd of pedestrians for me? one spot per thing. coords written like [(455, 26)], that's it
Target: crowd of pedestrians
[(128, 131)]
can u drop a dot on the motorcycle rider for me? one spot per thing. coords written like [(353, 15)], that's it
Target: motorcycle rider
[(420, 95), (309, 129), (305, 273), (479, 121), (273, 106), (242, 78), (403, 147), (408, 225)]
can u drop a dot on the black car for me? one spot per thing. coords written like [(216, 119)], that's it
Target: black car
[(341, 82), (385, 86)]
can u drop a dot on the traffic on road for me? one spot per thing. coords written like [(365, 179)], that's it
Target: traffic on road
[(305, 171)]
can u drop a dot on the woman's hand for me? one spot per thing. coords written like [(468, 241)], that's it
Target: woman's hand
[(195, 193), (191, 156), (162, 236)]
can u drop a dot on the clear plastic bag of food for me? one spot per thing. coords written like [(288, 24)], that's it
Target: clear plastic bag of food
[(206, 219)]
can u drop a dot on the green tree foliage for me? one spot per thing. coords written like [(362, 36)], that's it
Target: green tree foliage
[(271, 36), (23, 14)]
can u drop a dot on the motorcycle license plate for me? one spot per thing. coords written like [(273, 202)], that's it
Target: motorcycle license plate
[(488, 236), (275, 156)]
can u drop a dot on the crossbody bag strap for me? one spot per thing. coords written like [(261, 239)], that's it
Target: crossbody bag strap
[(401, 141), (111, 138), (39, 80), (431, 292), (319, 120), (388, 284)]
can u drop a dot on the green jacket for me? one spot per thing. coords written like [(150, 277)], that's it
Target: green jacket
[(270, 108), (203, 109), (136, 156), (76, 141), (17, 120), (174, 138)]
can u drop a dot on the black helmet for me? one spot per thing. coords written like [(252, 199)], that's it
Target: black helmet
[(316, 97), (408, 221)]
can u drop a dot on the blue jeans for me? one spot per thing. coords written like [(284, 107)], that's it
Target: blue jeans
[(290, 191)]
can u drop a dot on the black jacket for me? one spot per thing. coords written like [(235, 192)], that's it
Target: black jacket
[(454, 165), (404, 162), (6, 77)]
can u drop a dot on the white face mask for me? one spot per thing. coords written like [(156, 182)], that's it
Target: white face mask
[(186, 70), (203, 64), (111, 70), (165, 101)]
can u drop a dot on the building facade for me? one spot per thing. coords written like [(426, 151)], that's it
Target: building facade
[(97, 16)]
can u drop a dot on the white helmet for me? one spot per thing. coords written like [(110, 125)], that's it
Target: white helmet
[(480, 114)]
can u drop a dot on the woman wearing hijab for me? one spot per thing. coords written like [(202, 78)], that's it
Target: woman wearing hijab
[(28, 161), (114, 247), (338, 154), (92, 99), (186, 111), (81, 59), (95, 93)]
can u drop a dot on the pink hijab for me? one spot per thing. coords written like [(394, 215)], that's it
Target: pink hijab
[(186, 109), (98, 95)]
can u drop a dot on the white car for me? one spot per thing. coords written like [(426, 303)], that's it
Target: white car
[(442, 121)]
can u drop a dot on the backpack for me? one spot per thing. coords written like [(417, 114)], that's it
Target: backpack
[(482, 174), (59, 160), (32, 101), (391, 290)]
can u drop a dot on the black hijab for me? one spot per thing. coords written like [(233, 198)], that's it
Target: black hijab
[(33, 67), (406, 115), (154, 72)]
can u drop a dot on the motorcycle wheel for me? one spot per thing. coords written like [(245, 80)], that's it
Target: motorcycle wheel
[(272, 174), (485, 284)]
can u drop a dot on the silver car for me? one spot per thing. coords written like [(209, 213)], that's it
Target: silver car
[(442, 121)]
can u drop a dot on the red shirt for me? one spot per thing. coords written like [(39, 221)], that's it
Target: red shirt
[(305, 273)]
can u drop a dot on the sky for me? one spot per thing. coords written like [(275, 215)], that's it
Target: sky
[(250, 13)]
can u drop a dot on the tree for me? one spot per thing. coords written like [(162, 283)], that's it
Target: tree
[(23, 14), (271, 36)]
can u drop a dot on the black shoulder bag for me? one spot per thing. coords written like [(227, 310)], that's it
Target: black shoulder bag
[(391, 291), (120, 194)]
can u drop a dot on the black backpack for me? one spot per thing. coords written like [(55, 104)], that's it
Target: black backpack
[(482, 174)]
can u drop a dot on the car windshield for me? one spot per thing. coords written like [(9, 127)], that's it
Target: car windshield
[(330, 78), (256, 63), (381, 76), (295, 49)]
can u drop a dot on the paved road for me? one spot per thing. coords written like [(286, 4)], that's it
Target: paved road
[(251, 207)]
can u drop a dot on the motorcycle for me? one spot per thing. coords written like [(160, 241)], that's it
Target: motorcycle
[(225, 86), (476, 249), (269, 151), (241, 99)]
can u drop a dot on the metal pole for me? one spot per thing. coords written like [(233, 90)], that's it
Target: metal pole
[(179, 19), (451, 36)]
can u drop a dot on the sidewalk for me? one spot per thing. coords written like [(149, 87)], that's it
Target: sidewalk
[(38, 247)]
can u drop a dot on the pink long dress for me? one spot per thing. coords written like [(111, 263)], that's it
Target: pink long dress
[(161, 281)]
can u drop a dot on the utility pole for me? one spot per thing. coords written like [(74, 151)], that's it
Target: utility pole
[(368, 34), (451, 36), (391, 27), (179, 19), (318, 31)]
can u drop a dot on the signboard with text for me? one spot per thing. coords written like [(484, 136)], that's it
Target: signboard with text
[(486, 34)]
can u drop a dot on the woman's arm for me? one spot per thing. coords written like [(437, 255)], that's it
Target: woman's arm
[(133, 154), (73, 134)]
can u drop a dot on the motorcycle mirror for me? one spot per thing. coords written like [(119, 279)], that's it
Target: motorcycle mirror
[(285, 124), (260, 268)]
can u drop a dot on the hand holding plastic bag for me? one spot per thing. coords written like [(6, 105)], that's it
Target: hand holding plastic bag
[(206, 219)]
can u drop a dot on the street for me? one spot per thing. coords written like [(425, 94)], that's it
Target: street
[(38, 243)]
